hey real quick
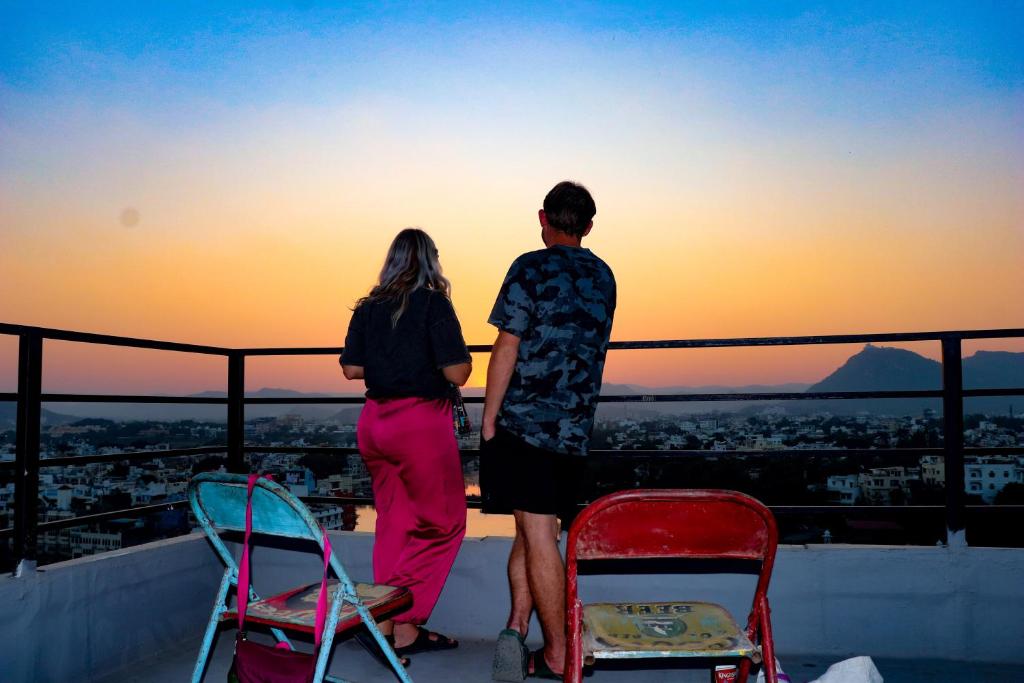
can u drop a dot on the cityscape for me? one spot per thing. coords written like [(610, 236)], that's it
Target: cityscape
[(633, 451)]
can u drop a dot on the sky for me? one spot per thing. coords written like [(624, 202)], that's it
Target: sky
[(233, 174)]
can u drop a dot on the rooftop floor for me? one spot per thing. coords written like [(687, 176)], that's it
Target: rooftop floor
[(923, 614), (472, 663)]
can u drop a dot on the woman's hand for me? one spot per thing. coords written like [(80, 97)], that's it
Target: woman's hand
[(458, 374), (353, 371)]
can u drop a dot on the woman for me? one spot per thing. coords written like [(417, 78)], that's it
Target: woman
[(405, 341)]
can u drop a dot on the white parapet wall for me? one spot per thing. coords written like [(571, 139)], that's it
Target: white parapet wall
[(81, 619)]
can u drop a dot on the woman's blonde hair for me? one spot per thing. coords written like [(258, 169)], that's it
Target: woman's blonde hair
[(412, 262)]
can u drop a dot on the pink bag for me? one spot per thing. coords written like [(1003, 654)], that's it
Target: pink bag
[(256, 663)]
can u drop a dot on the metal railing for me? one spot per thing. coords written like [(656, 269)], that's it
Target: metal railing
[(30, 398)]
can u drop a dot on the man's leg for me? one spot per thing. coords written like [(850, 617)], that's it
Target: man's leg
[(545, 572), (518, 585)]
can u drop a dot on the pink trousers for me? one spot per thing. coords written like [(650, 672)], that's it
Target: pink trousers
[(409, 447)]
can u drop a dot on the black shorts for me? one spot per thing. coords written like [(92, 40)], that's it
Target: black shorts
[(515, 475)]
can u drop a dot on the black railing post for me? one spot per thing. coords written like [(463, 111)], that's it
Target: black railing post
[(953, 439), (236, 412), (26, 483)]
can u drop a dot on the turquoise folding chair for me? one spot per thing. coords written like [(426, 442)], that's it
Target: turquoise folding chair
[(219, 502)]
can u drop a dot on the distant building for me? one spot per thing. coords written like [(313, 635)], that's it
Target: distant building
[(986, 477), (300, 481), (886, 485), (845, 488), (933, 470), (330, 517), (91, 542)]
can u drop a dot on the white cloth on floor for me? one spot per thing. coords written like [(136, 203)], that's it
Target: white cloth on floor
[(855, 670)]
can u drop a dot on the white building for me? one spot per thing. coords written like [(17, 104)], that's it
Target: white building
[(845, 487), (882, 484), (986, 477)]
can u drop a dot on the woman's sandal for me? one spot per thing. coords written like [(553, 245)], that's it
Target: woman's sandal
[(424, 643), (371, 645), (541, 668)]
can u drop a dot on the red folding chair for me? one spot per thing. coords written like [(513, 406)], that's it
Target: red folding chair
[(649, 524)]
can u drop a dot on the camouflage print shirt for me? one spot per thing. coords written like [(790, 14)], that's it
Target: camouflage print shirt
[(559, 302)]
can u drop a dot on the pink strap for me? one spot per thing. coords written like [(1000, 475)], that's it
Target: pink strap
[(243, 566), (321, 603), (243, 570)]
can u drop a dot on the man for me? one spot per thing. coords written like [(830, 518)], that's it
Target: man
[(554, 317)]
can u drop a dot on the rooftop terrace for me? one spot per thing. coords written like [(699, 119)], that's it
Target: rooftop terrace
[(946, 613), (924, 614)]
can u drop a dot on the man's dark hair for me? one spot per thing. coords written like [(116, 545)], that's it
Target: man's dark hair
[(569, 208)]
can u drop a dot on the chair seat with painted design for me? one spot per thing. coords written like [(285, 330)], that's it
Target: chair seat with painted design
[(662, 629), (296, 608)]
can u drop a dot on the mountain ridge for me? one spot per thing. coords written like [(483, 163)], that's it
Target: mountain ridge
[(874, 368)]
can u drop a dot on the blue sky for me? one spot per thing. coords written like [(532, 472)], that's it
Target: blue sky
[(47, 45), (759, 168)]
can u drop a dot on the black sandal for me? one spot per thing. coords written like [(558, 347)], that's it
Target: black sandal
[(371, 645), (424, 643), (541, 669)]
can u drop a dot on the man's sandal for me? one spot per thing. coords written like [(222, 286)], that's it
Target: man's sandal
[(424, 643), (541, 669), (511, 658)]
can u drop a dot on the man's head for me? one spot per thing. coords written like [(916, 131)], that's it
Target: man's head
[(568, 209)]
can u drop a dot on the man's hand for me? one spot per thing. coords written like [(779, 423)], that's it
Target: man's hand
[(487, 430), (499, 372)]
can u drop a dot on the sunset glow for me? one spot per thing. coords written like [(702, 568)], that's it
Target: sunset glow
[(234, 177)]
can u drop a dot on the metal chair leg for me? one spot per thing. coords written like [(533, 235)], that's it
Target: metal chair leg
[(219, 607), (385, 646)]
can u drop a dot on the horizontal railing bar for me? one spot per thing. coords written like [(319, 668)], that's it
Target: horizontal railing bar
[(711, 343), (645, 398), (648, 453), (9, 396), (1016, 391), (86, 520), (337, 500), (627, 453), (781, 396), (293, 351), (349, 450), (994, 450), (611, 398), (74, 460), (807, 452), (472, 452), (474, 503), (283, 400), (818, 339), (132, 398), (471, 501), (877, 509), (112, 340)]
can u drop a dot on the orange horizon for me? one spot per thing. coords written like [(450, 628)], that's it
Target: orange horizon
[(235, 180)]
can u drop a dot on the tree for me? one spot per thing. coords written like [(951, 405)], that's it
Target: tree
[(1012, 494)]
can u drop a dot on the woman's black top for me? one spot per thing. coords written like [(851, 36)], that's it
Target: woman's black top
[(406, 360)]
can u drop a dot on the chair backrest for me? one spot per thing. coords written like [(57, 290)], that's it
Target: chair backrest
[(218, 500), (665, 523)]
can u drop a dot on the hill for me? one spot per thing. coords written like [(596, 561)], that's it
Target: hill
[(9, 416), (879, 368)]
